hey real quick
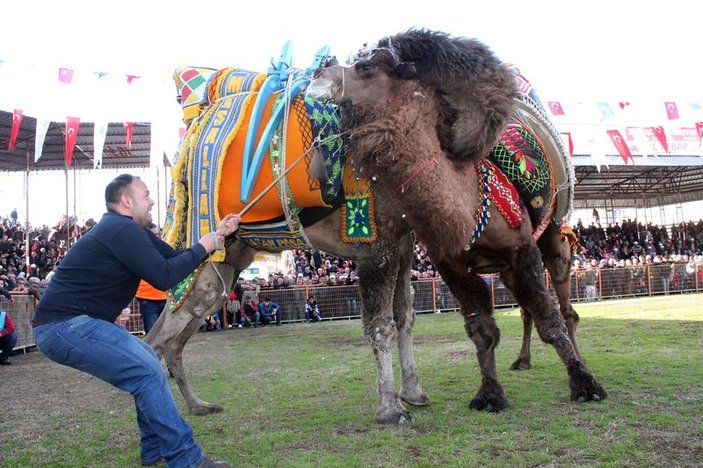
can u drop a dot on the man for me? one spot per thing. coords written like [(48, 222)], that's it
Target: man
[(8, 338), (151, 300), (270, 311), (74, 320)]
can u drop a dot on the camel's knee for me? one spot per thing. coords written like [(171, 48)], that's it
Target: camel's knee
[(483, 331)]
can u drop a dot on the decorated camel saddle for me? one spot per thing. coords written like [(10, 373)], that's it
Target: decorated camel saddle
[(529, 164), (248, 149)]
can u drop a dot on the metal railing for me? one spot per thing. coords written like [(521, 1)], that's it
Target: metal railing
[(431, 295)]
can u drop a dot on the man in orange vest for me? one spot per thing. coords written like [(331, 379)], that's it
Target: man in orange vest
[(151, 300)]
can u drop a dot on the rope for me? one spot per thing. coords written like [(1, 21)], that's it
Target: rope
[(412, 177)]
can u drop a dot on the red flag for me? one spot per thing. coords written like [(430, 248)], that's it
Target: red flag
[(130, 131), (131, 78), (661, 136), (72, 124), (621, 145), (623, 104), (671, 110), (16, 121), (699, 129), (555, 107), (66, 75)]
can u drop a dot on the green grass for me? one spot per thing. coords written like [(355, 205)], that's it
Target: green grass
[(305, 395)]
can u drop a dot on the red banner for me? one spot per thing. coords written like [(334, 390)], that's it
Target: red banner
[(555, 107), (671, 110), (130, 131), (661, 136), (72, 124), (699, 130), (621, 145), (16, 121)]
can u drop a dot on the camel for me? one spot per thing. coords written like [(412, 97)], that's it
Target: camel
[(388, 150)]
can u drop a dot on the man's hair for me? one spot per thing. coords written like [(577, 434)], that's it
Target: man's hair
[(116, 188)]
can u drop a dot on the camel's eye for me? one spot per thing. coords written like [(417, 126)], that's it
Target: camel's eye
[(364, 69)]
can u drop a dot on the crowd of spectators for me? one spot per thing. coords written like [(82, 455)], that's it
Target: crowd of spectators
[(620, 244), (633, 240)]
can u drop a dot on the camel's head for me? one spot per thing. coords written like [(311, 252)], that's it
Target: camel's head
[(371, 79)]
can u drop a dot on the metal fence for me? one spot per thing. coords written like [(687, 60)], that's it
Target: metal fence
[(431, 295)]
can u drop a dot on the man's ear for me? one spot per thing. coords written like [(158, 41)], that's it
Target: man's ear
[(126, 200)]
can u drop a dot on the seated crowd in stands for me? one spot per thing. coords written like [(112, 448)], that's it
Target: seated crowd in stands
[(620, 244)]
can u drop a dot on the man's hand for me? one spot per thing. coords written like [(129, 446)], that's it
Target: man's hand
[(228, 225), (212, 241)]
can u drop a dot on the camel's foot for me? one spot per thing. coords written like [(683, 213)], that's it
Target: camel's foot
[(521, 364), (490, 397), (414, 396), (202, 408), (584, 386), (395, 414)]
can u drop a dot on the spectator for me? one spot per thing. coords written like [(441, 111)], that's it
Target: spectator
[(8, 338), (312, 313), (4, 291), (151, 300), (249, 313), (35, 289), (270, 311)]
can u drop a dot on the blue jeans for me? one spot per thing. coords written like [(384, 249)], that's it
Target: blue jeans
[(109, 352), (7, 343), (150, 311)]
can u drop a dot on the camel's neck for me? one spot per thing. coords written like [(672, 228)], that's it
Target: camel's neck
[(403, 128)]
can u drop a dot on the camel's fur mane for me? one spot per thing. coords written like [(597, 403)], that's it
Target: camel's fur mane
[(476, 90)]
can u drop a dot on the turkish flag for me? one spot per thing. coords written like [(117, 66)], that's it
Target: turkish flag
[(72, 124), (66, 75), (621, 146), (16, 121), (623, 104), (661, 136), (555, 107), (671, 110), (699, 129), (130, 131), (131, 78)]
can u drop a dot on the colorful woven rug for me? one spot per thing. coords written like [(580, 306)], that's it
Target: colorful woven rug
[(523, 160), (358, 224), (191, 83)]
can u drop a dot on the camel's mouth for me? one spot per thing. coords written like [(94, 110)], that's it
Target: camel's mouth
[(321, 89)]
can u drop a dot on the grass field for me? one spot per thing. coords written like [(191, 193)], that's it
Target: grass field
[(305, 395)]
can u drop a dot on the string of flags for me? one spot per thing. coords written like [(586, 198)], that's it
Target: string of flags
[(65, 76), (626, 140), (628, 143)]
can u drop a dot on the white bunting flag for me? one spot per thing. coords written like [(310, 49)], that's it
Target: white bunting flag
[(42, 128), (100, 131)]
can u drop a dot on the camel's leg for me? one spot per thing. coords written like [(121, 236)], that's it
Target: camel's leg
[(524, 357), (475, 300), (526, 280), (173, 330), (377, 279), (404, 316), (556, 254)]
